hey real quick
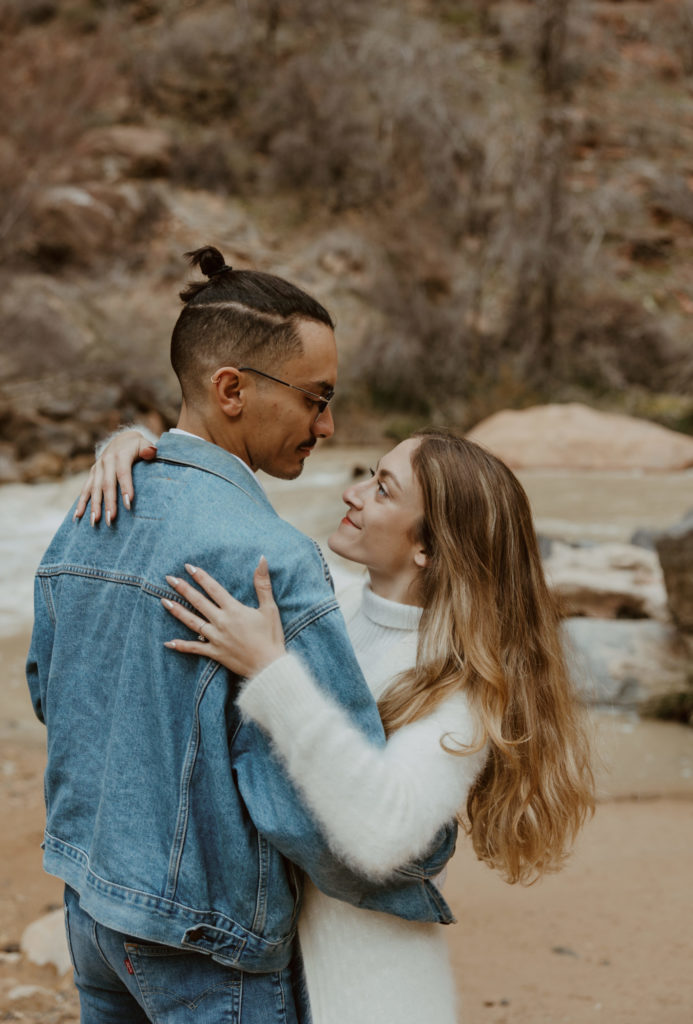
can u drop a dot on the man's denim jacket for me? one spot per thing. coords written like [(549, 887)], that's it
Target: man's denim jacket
[(167, 812)]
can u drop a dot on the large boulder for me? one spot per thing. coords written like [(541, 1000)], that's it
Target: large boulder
[(675, 550), (79, 224), (607, 581), (573, 436), (626, 664)]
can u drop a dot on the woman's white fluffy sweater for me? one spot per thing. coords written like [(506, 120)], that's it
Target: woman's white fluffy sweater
[(380, 807)]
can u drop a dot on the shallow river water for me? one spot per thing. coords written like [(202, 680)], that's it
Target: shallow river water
[(585, 506)]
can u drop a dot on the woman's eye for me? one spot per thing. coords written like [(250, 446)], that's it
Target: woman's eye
[(380, 489)]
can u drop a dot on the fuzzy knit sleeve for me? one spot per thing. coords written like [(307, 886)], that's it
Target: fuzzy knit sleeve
[(379, 807), (141, 429)]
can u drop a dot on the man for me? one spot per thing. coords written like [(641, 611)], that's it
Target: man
[(168, 817)]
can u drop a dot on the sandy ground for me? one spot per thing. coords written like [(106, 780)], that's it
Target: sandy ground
[(610, 939)]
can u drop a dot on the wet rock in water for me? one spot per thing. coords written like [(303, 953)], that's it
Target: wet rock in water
[(607, 581), (675, 550), (573, 436), (44, 942), (626, 664), (644, 538)]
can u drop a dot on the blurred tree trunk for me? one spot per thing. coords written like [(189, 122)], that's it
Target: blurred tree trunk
[(551, 44), (540, 222), (552, 153)]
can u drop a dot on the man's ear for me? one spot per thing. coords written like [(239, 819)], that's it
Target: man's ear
[(229, 394)]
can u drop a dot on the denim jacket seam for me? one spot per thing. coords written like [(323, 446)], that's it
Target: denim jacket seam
[(47, 572), (325, 567), (260, 915), (307, 618), (91, 572), (412, 871), (48, 599), (193, 747), (184, 794)]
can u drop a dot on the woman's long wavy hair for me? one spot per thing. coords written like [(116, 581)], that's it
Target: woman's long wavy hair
[(491, 628)]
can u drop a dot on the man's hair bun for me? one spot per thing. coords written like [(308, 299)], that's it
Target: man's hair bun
[(210, 261)]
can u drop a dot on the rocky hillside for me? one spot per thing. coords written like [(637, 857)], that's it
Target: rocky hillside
[(495, 199)]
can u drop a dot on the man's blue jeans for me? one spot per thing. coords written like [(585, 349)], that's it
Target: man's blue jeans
[(122, 980)]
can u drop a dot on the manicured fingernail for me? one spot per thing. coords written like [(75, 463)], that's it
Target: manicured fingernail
[(170, 643), (262, 564), (126, 501), (173, 580), (93, 518), (192, 569), (166, 603), (108, 519)]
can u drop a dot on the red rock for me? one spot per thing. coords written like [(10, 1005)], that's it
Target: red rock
[(574, 436)]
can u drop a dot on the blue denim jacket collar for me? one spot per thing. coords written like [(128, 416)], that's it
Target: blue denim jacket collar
[(189, 450)]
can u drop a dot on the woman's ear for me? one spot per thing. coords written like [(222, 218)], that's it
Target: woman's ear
[(228, 391), (421, 558)]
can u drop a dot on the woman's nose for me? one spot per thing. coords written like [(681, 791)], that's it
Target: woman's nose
[(353, 494)]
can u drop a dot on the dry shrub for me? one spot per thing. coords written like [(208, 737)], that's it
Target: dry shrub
[(209, 159), (16, 14), (671, 25), (201, 64), (50, 95), (422, 352), (672, 197), (610, 344), (348, 105), (380, 117)]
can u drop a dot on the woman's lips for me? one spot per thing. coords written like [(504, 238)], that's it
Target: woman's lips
[(349, 522)]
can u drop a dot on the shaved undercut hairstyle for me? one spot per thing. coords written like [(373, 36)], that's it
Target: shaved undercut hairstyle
[(234, 318)]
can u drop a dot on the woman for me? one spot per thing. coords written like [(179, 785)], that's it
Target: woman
[(459, 640)]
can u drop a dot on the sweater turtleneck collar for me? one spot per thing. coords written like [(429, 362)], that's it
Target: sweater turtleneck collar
[(390, 614)]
